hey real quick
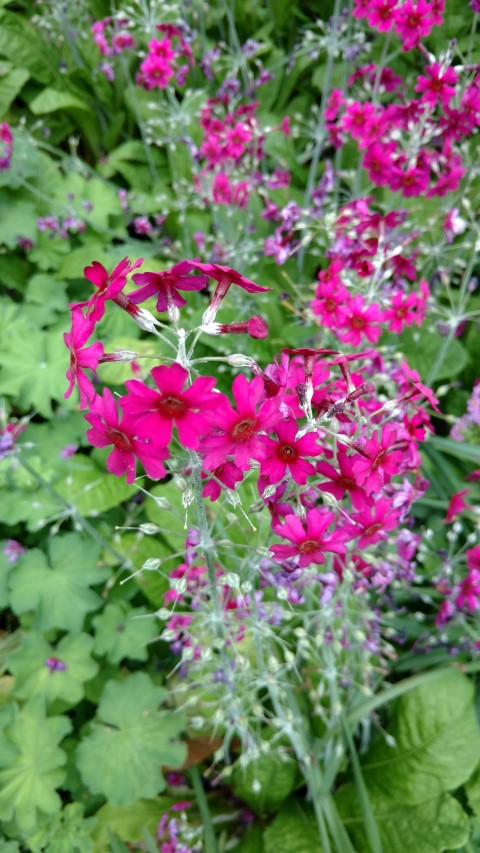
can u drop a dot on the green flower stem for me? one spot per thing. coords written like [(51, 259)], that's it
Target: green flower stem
[(73, 512), (206, 541), (208, 830)]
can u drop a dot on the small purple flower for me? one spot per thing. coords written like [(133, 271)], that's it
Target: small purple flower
[(13, 550), (55, 664), (68, 451)]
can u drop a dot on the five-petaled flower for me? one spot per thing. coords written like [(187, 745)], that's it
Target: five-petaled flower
[(156, 412), (309, 541)]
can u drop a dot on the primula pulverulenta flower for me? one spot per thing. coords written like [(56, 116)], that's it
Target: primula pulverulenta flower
[(155, 412), (108, 285), (359, 319), (469, 594), (166, 285), (287, 452), (372, 523), (237, 433), (229, 474), (309, 541), (457, 505), (106, 429), (380, 462), (343, 480), (81, 357), (225, 276)]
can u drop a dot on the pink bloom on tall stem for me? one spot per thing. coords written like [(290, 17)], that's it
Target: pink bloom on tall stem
[(237, 432), (166, 285), (380, 462), (81, 357), (343, 480), (108, 285), (438, 85), (359, 319), (457, 505), (403, 311), (309, 541), (372, 523), (229, 474), (412, 22), (106, 429), (288, 452), (225, 276), (469, 594), (156, 412)]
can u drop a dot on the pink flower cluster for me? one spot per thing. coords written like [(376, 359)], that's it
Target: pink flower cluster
[(160, 65), (111, 36), (409, 145), (465, 595), (369, 246), (304, 406), (6, 146), (412, 20)]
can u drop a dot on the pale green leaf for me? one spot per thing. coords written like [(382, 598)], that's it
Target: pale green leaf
[(51, 100), (293, 831), (31, 765), (124, 632), (264, 784), (428, 827), (128, 821), (67, 832), (472, 789), (33, 369), (122, 756), (437, 741), (58, 592), (92, 490), (34, 678), (10, 86)]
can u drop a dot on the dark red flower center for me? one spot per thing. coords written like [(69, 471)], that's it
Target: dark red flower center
[(330, 304), (121, 441), (346, 483), (244, 429), (172, 407), (401, 312), (374, 528), (358, 323), (287, 453), (379, 459), (309, 546)]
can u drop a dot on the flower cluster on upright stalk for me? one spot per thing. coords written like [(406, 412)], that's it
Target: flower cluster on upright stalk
[(326, 445)]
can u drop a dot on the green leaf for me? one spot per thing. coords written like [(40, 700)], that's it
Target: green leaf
[(33, 369), (50, 100), (91, 489), (428, 827), (128, 821), (124, 632), (10, 85), (67, 832), (293, 831), (122, 756), (34, 678), (472, 789), (21, 43), (264, 784), (437, 742), (58, 591), (31, 765), (422, 347)]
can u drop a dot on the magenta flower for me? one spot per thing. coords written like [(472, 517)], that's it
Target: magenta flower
[(155, 412), (81, 357), (457, 505), (166, 285), (343, 480), (412, 22), (358, 319), (108, 429), (108, 285), (6, 146), (404, 311), (438, 85), (469, 593), (229, 474), (287, 452), (309, 542), (380, 462), (225, 276), (238, 432), (372, 523)]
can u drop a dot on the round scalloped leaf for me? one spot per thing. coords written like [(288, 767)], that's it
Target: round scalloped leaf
[(132, 739), (124, 632)]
